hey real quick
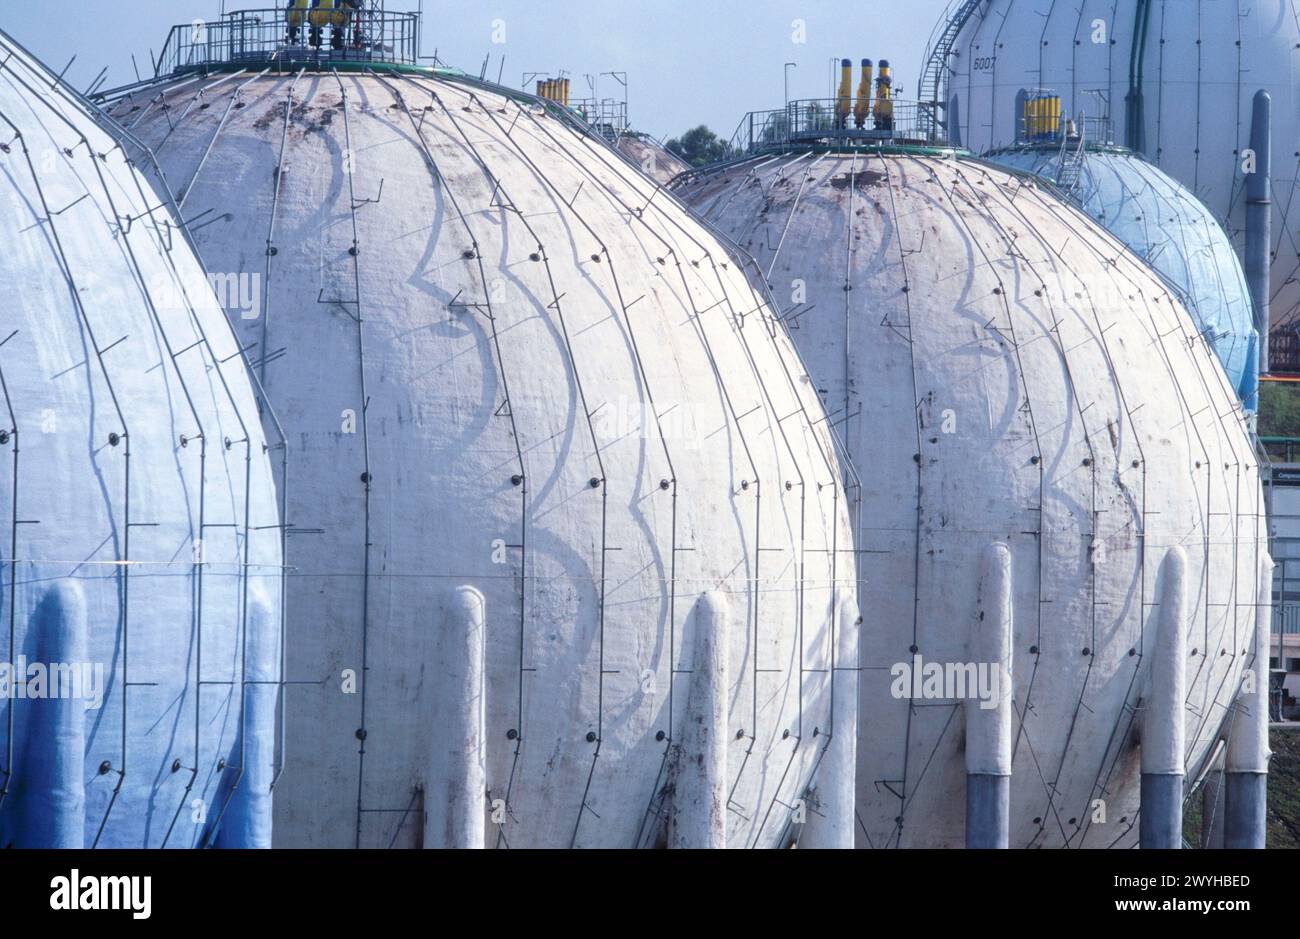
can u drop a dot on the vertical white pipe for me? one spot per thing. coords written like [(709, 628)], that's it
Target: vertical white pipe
[(455, 793), (699, 802), (988, 723), (831, 825), (1163, 726), (1245, 802)]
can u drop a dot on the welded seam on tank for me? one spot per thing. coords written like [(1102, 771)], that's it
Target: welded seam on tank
[(636, 354), (122, 548), (515, 435), (1157, 155), (826, 457), (1050, 252)]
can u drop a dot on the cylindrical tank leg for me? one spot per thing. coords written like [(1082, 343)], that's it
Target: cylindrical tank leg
[(831, 825), (247, 822), (51, 793), (455, 794), (988, 722), (1245, 803), (699, 801), (1163, 727)]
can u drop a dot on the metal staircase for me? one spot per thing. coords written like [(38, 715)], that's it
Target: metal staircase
[(934, 75), (1071, 160)]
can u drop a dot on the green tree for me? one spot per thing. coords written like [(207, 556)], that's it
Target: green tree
[(1279, 414), (699, 146)]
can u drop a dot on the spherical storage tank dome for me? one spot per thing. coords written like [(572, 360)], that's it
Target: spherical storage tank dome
[(1007, 374), (1159, 220), (140, 584), (1176, 78), (571, 559)]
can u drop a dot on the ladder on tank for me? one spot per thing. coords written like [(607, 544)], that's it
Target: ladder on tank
[(1070, 162), (932, 107)]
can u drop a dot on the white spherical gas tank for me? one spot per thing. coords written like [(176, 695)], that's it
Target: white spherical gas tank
[(571, 558), (140, 569), (1015, 388)]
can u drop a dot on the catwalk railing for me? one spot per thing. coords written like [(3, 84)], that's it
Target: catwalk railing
[(249, 37), (825, 121)]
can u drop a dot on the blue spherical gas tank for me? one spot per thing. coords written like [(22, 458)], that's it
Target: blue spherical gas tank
[(1162, 222)]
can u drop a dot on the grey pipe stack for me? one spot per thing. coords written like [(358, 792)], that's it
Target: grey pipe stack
[(988, 724), (1245, 800), (1163, 727), (1259, 220)]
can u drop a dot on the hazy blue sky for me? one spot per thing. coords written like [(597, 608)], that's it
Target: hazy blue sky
[(688, 61)]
